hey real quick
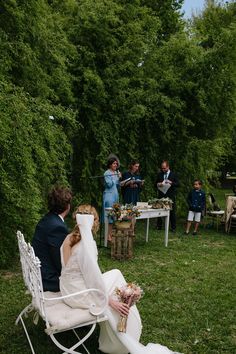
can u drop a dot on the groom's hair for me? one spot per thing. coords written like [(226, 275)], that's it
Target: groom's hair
[(58, 199)]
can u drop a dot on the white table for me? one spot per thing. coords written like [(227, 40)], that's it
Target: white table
[(146, 214)]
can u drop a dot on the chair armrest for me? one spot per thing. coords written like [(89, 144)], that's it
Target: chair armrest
[(81, 293)]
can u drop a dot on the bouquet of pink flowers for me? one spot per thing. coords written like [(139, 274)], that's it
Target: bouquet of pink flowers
[(129, 294)]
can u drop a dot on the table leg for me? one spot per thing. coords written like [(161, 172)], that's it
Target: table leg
[(167, 219), (147, 229)]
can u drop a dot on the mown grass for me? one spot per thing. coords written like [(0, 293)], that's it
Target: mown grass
[(189, 301)]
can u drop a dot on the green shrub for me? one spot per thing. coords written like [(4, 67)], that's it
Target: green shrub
[(35, 153)]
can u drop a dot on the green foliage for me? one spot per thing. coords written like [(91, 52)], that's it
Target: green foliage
[(169, 13), (151, 100), (35, 153), (111, 43), (38, 49), (36, 134)]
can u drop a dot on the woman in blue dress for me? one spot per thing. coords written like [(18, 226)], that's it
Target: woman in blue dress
[(111, 194), (131, 184)]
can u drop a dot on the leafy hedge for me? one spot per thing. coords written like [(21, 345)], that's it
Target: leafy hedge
[(35, 152)]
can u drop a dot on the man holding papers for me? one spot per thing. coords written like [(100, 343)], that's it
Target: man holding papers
[(166, 184)]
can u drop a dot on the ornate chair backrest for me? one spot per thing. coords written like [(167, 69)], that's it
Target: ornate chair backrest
[(31, 273)]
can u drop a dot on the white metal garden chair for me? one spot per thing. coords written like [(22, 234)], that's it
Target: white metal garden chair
[(58, 316)]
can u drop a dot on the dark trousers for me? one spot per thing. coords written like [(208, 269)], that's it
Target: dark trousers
[(172, 218)]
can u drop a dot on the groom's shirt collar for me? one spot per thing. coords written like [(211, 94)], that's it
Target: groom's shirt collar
[(61, 217)]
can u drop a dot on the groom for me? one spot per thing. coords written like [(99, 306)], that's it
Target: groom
[(49, 235)]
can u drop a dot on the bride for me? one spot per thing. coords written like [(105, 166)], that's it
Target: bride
[(80, 271)]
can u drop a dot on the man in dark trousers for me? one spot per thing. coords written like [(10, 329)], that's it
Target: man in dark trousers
[(49, 235), (166, 176)]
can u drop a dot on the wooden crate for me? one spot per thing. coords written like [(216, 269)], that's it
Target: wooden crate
[(122, 243)]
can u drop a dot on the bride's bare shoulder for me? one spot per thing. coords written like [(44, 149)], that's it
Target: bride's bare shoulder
[(67, 241), (66, 249)]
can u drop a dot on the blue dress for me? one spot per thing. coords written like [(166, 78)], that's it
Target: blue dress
[(110, 194)]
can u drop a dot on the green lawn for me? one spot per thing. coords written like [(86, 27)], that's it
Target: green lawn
[(189, 301)]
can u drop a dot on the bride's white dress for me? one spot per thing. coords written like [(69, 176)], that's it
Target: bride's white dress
[(82, 272)]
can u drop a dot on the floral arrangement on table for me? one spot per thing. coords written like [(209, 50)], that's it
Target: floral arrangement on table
[(123, 212), (129, 294), (163, 203)]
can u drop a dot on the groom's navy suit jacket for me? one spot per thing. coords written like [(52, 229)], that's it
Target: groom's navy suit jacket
[(49, 235)]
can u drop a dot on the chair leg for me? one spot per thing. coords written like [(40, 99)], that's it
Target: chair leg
[(87, 336), (71, 350), (229, 227), (232, 224), (217, 223), (26, 310)]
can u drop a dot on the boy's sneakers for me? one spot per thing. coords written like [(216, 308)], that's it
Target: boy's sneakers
[(194, 233), (186, 233)]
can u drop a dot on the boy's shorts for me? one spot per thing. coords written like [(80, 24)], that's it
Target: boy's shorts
[(193, 215)]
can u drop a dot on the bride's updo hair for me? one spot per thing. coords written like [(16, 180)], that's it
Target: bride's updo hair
[(75, 236)]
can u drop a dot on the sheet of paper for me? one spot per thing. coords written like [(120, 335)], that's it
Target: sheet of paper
[(141, 205), (164, 187), (139, 180), (123, 183)]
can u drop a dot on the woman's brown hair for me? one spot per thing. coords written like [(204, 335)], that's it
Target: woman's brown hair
[(75, 236), (132, 163)]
